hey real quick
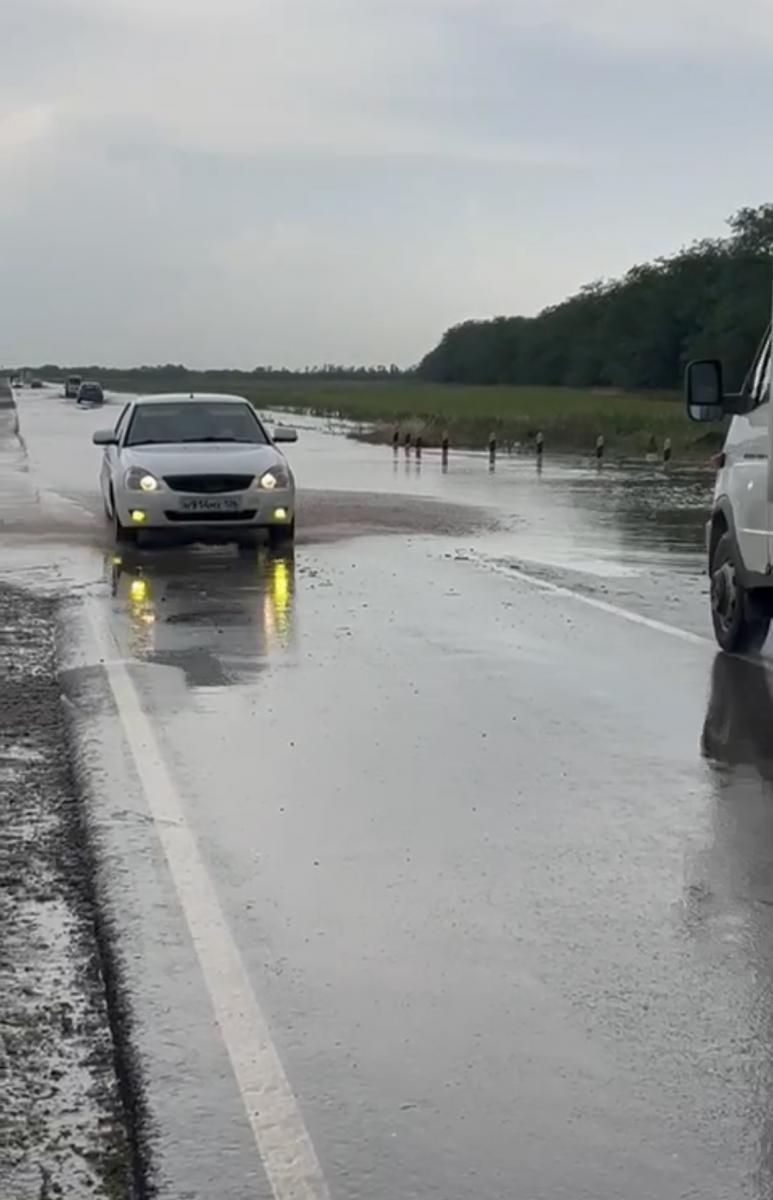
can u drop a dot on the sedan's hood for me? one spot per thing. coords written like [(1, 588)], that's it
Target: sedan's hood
[(195, 458)]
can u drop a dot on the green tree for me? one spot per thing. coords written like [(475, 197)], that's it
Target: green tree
[(632, 333)]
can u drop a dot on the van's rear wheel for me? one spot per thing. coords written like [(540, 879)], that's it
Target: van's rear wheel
[(741, 622)]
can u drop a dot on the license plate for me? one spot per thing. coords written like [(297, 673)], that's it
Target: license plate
[(207, 504)]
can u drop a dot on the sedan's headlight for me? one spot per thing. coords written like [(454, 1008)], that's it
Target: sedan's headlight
[(277, 477), (138, 480)]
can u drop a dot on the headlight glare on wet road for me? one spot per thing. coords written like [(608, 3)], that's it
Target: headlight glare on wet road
[(138, 590), (281, 586)]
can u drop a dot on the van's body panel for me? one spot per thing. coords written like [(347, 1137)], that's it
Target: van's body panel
[(743, 481)]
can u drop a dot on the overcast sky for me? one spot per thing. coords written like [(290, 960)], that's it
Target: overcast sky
[(233, 182)]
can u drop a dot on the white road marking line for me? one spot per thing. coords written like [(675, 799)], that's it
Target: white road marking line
[(556, 589), (283, 1142)]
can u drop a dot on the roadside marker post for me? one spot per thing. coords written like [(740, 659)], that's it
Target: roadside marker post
[(600, 448), (419, 444), (444, 450), (667, 450), (492, 450)]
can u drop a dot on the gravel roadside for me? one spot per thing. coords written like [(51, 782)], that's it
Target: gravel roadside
[(62, 1122)]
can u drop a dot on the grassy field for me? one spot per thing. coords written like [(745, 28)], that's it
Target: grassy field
[(570, 419)]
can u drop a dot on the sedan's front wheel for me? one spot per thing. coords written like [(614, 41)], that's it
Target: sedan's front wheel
[(123, 536), (281, 536)]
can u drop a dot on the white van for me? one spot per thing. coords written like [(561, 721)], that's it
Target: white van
[(740, 529)]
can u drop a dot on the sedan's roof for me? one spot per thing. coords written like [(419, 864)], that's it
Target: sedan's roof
[(189, 398)]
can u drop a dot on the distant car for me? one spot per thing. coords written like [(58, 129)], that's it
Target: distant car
[(72, 387), (203, 466), (36, 383), (91, 393)]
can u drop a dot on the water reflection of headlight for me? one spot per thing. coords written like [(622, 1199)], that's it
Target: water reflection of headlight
[(141, 601), (277, 602), (281, 585), (138, 591)]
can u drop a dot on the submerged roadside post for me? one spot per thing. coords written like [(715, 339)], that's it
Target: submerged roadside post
[(396, 440), (540, 440), (600, 449), (492, 450), (407, 442), (667, 450), (444, 451), (419, 445)]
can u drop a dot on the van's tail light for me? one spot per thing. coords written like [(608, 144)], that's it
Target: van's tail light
[(718, 460)]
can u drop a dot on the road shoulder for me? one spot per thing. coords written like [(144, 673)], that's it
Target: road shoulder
[(62, 1126)]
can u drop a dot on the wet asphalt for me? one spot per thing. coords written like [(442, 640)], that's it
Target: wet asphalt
[(498, 860)]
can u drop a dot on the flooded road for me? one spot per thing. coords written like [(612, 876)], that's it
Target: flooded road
[(439, 854)]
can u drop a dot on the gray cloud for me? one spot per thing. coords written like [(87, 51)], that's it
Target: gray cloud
[(297, 180)]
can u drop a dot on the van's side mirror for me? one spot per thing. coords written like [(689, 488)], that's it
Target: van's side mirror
[(283, 433), (105, 437), (704, 390)]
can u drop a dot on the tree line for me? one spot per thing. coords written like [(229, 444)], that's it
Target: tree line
[(712, 299), (173, 375)]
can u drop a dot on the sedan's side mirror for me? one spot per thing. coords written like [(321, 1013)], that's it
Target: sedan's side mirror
[(105, 437), (704, 390), (283, 433)]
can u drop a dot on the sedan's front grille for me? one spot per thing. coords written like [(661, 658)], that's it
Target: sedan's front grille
[(204, 518), (208, 485)]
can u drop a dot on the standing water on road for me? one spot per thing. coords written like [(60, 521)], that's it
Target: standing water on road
[(461, 867)]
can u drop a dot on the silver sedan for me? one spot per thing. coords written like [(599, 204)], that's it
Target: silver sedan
[(202, 466)]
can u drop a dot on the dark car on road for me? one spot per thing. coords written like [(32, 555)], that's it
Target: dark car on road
[(91, 393)]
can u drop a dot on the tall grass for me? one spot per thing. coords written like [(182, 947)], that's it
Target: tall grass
[(569, 418)]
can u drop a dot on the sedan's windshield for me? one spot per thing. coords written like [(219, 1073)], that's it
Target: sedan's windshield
[(194, 421)]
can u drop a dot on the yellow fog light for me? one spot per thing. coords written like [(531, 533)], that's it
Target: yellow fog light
[(138, 516), (280, 514)]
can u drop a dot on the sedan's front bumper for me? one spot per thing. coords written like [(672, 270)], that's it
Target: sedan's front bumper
[(225, 513)]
